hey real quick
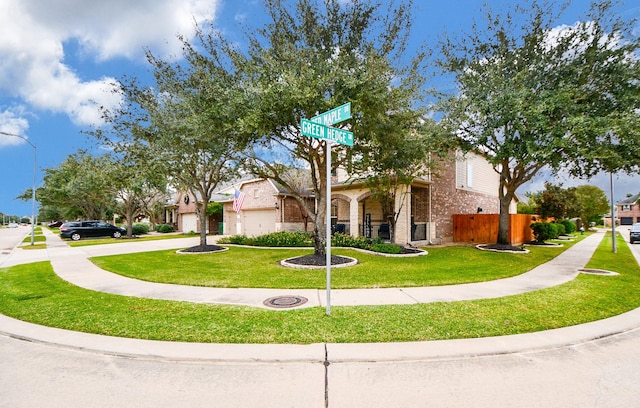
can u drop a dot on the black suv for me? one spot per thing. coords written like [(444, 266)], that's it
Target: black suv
[(84, 229), (634, 233)]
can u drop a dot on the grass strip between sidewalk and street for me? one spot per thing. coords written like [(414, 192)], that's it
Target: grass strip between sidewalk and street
[(35, 294)]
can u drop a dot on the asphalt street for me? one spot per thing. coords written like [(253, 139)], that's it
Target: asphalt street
[(599, 373)]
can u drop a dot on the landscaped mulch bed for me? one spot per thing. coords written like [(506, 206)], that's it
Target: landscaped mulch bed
[(203, 249), (318, 260)]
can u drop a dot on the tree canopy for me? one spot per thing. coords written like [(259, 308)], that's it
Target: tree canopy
[(531, 95), (311, 57)]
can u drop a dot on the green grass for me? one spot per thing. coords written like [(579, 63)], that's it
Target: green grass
[(260, 268), (34, 246), (36, 238), (34, 293), (124, 240)]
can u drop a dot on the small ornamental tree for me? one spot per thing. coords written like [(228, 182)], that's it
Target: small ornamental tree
[(543, 231)]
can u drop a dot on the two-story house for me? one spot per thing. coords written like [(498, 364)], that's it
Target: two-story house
[(628, 210)]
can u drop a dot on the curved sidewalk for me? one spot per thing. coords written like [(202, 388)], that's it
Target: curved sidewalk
[(72, 265)]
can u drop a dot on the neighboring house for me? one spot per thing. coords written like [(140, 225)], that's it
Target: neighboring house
[(180, 211), (628, 210), (267, 207), (467, 185)]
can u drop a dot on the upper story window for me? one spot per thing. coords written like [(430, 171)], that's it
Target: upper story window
[(626, 207), (464, 172)]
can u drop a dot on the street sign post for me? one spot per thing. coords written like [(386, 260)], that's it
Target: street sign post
[(319, 127)]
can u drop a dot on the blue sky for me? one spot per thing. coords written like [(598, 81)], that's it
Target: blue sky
[(57, 58)]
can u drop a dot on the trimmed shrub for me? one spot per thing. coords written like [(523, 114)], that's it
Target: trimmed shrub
[(141, 228), (543, 231), (164, 228), (560, 229), (274, 239), (284, 239), (569, 226), (234, 239), (386, 248), (304, 239), (347, 241)]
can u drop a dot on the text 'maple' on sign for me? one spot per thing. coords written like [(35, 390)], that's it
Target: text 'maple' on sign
[(333, 116)]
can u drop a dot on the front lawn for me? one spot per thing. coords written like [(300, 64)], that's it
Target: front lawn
[(34, 293), (260, 268)]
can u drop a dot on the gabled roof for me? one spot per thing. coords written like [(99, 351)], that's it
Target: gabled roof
[(629, 200)]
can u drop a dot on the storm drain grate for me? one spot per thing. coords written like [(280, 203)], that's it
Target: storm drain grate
[(283, 302)]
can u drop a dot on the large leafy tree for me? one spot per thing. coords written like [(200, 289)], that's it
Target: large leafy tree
[(311, 57), (532, 96), (183, 126), (81, 187), (393, 171), (138, 185), (593, 203), (557, 202)]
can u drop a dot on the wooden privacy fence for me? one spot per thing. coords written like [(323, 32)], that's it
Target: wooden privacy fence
[(483, 228)]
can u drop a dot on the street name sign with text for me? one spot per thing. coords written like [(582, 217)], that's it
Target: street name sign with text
[(319, 131), (333, 116)]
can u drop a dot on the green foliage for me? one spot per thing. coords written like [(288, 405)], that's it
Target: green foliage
[(215, 208), (526, 208), (560, 229), (544, 230), (304, 239), (34, 293), (348, 241), (386, 248), (141, 228), (164, 228), (274, 239), (81, 187), (593, 203), (557, 202), (532, 100), (569, 226)]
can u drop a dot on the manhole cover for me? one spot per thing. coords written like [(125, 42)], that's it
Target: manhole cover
[(282, 302)]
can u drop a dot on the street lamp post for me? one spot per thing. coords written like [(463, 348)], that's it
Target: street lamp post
[(33, 189)]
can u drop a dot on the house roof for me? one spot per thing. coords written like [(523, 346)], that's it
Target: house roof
[(629, 200)]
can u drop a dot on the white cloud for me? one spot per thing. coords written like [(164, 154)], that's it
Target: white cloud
[(12, 121), (33, 32)]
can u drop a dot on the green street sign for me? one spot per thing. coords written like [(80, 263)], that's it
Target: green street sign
[(319, 131), (333, 116)]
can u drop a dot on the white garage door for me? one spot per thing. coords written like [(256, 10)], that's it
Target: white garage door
[(258, 222), (189, 223)]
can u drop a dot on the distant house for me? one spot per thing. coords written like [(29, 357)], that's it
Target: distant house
[(628, 210), (267, 207), (465, 185), (180, 212)]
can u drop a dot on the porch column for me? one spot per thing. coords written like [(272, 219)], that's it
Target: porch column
[(354, 228), (403, 225)]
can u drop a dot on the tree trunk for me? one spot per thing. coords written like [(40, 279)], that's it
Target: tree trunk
[(504, 220), (129, 217), (200, 212), (319, 229)]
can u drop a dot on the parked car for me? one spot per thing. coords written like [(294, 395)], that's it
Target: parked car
[(13, 225), (55, 224), (89, 229), (634, 233)]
